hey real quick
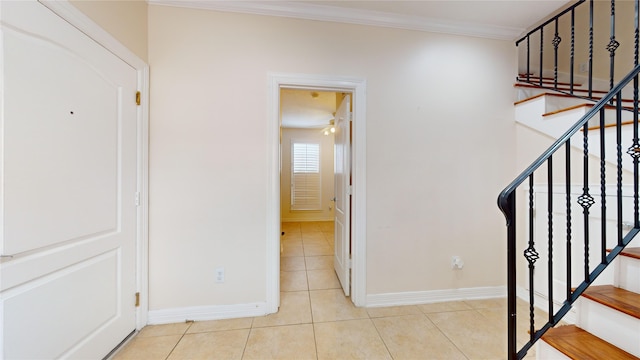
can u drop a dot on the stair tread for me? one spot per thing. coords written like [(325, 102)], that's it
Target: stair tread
[(631, 252), (577, 106), (579, 344), (619, 299), (546, 81), (546, 93), (563, 88)]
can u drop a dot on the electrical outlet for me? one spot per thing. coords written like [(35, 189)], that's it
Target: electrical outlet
[(457, 263), (219, 274)]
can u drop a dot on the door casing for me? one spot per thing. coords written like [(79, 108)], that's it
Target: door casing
[(356, 86)]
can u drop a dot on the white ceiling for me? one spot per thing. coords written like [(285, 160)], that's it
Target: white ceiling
[(497, 19), (306, 108), (506, 13)]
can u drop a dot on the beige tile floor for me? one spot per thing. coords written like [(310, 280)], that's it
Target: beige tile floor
[(316, 320)]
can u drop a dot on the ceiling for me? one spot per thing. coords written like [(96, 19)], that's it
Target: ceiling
[(306, 108), (515, 14), (497, 19)]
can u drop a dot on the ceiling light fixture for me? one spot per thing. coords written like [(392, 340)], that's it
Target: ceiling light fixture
[(331, 129)]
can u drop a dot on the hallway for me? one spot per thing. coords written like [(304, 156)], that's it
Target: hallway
[(316, 320)]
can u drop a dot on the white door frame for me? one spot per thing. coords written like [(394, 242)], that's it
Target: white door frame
[(357, 87), (78, 19)]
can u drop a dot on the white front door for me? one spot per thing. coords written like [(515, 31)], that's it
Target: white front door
[(68, 212), (342, 178)]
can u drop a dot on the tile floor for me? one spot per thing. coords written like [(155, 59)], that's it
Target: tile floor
[(316, 320)]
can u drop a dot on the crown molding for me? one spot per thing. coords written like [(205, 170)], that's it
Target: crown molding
[(301, 10)]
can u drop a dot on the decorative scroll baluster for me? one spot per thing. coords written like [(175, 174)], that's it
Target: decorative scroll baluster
[(556, 42), (550, 230), (590, 77), (603, 183), (585, 200), (528, 57), (568, 195), (619, 173), (541, 53), (634, 150), (573, 43), (531, 255), (613, 44)]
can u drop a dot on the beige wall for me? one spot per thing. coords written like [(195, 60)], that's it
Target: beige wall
[(124, 20), (440, 146), (326, 169)]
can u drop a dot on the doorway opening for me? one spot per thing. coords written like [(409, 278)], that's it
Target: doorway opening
[(310, 85), (308, 190)]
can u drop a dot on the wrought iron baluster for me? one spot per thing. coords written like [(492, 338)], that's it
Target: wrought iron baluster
[(573, 42), (634, 150), (619, 166), (568, 198), (603, 182), (531, 255), (612, 45), (585, 200), (550, 229), (528, 57), (510, 214), (541, 54), (590, 77), (556, 42)]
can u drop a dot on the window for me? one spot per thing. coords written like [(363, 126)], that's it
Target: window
[(305, 176)]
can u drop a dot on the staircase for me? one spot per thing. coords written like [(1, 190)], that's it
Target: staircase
[(606, 316), (574, 212), (608, 320)]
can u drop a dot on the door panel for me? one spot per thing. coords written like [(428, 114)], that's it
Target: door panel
[(67, 280), (44, 321), (342, 177), (63, 136)]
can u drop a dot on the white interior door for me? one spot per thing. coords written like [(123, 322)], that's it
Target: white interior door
[(68, 212), (342, 178)]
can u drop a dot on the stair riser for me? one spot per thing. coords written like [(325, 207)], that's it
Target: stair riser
[(548, 352), (610, 325), (530, 114), (628, 273)]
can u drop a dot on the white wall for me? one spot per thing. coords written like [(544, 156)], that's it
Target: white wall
[(326, 169), (440, 146)]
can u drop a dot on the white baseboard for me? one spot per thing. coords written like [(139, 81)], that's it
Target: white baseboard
[(203, 313), (426, 297)]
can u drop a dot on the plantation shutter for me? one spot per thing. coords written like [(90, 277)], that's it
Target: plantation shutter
[(305, 177)]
